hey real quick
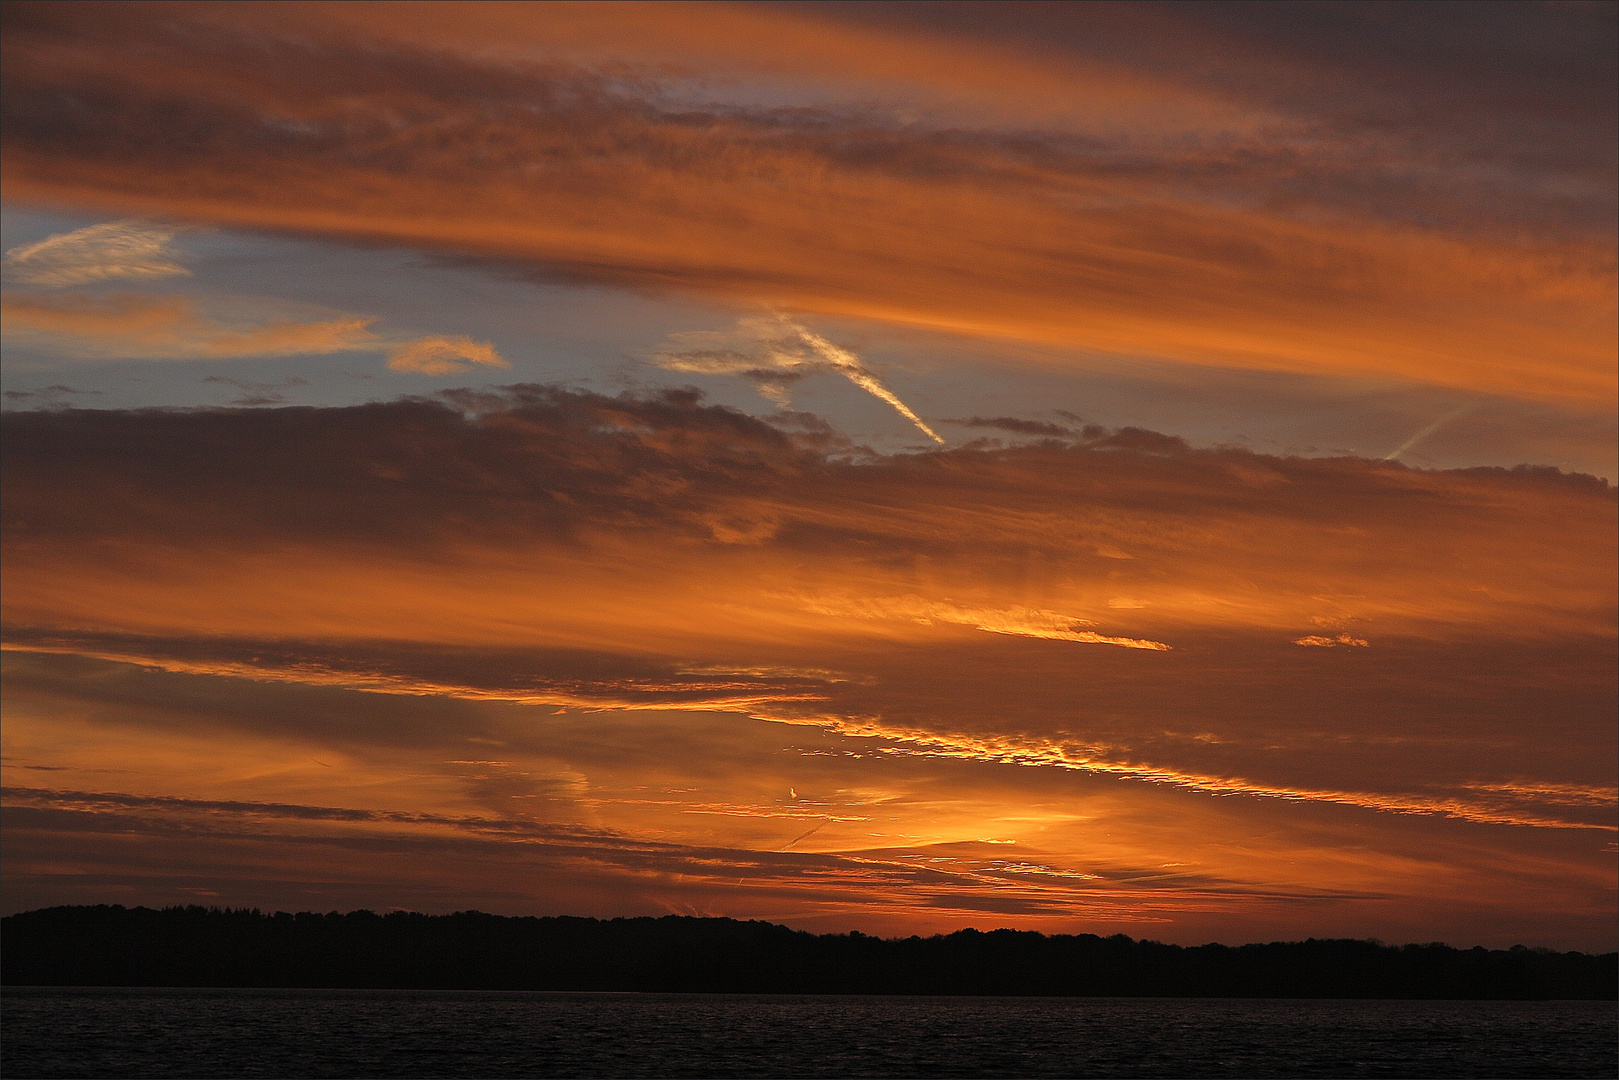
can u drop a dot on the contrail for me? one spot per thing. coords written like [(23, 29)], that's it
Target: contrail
[(805, 836), (855, 372), (1425, 432), (760, 346)]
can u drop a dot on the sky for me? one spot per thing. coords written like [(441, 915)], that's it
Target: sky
[(1130, 468)]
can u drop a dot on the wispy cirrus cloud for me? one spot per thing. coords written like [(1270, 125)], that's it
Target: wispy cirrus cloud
[(113, 251)]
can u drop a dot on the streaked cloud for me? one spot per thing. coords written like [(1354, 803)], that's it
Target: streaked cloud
[(1090, 241), (113, 251), (136, 326), (1425, 431), (1017, 621), (298, 794), (143, 326)]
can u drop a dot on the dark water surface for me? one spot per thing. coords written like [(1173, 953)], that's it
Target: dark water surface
[(50, 1032)]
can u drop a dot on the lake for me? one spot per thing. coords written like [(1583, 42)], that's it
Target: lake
[(75, 1032)]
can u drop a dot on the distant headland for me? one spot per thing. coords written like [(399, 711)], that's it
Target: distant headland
[(197, 946)]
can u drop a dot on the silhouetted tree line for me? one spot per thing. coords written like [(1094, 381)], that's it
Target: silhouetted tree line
[(197, 946)]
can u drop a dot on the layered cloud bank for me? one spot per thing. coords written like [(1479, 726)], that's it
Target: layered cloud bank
[(1107, 604), (537, 649), (1258, 208)]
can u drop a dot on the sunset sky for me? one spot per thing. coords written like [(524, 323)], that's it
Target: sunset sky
[(1097, 467)]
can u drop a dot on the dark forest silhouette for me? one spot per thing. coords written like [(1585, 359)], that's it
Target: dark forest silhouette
[(197, 946)]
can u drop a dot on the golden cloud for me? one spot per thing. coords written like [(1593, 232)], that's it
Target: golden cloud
[(353, 134), (443, 356), (140, 326), (91, 326), (556, 548)]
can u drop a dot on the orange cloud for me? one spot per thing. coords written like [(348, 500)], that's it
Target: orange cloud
[(443, 356), (1332, 538), (1323, 642), (276, 792), (132, 325), (1017, 621), (141, 326), (636, 654), (578, 551), (1036, 239)]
